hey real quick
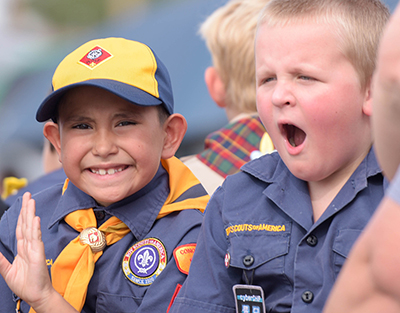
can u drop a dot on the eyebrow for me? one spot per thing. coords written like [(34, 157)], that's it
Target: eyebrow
[(76, 118), (127, 114)]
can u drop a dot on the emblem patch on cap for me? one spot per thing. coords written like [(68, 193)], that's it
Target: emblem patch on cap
[(144, 261), (95, 56), (183, 257)]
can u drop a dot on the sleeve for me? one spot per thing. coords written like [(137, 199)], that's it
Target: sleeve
[(208, 287), (7, 233), (393, 190)]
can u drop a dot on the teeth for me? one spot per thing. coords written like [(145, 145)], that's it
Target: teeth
[(110, 171), (291, 141)]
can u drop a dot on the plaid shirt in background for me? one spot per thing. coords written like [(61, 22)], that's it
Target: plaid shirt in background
[(228, 148)]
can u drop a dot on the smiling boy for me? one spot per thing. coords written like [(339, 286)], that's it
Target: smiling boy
[(276, 235), (109, 166), (113, 233)]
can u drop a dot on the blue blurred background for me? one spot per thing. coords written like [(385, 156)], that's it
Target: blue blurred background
[(36, 34)]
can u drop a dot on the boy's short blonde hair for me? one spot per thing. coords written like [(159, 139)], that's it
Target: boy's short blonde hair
[(358, 23), (229, 33)]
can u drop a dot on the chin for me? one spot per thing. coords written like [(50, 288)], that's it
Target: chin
[(108, 200), (304, 173)]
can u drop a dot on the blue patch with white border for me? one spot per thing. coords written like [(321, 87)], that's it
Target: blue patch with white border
[(144, 261)]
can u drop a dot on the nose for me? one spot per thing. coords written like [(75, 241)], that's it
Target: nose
[(283, 94), (104, 144)]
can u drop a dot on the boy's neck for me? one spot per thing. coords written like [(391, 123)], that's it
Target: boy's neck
[(322, 194), (324, 191)]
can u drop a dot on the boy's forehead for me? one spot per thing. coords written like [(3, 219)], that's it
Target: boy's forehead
[(300, 48), (270, 34)]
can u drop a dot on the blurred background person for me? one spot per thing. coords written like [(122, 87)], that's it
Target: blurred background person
[(229, 36)]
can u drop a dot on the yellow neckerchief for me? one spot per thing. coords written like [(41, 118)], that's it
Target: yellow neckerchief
[(74, 267)]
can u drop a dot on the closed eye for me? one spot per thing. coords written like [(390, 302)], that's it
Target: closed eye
[(306, 78), (267, 80)]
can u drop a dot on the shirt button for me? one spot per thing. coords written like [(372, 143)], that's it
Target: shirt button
[(307, 296), (248, 260), (312, 240), (99, 215)]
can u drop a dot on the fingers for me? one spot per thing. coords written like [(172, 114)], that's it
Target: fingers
[(18, 230), (29, 217), (32, 235), (27, 226), (36, 231)]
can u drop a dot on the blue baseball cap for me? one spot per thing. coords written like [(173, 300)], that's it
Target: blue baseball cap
[(126, 68)]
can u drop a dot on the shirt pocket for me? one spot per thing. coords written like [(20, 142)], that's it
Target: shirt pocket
[(342, 245), (265, 253), (249, 252), (117, 303)]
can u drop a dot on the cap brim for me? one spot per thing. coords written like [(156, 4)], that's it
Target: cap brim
[(48, 108)]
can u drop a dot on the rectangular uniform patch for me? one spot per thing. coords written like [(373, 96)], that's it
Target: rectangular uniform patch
[(183, 257), (262, 227)]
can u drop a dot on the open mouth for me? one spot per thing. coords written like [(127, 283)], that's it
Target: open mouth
[(294, 135), (110, 171)]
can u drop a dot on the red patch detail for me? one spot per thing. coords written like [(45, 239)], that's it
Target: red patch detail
[(183, 257), (227, 260), (178, 287), (94, 237), (94, 57)]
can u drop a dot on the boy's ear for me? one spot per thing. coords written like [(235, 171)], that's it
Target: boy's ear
[(52, 133), (175, 128), (367, 106), (216, 86)]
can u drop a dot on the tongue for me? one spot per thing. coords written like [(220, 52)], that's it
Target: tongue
[(296, 136)]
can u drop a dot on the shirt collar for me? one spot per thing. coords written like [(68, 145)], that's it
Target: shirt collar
[(285, 190), (273, 174)]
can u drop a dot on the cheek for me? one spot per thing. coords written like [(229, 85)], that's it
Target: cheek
[(330, 124), (325, 111), (72, 151), (264, 109)]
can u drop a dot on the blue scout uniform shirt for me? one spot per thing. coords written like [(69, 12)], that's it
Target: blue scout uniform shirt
[(258, 229), (109, 289)]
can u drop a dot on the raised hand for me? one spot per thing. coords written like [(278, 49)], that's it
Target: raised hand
[(28, 276)]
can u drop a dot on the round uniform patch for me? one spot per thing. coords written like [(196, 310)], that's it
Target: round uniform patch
[(144, 261)]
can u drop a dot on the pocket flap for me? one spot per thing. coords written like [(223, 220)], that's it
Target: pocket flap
[(345, 241), (250, 249)]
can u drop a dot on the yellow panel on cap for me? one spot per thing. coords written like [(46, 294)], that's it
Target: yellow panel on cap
[(122, 60)]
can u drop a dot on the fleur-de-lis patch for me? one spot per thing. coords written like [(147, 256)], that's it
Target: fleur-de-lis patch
[(144, 261)]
